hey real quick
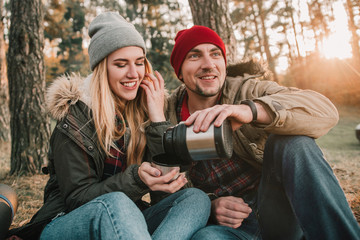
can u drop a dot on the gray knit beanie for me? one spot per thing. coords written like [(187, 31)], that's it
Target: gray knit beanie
[(109, 31)]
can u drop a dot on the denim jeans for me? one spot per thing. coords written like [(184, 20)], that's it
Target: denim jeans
[(298, 197), (249, 229), (115, 216)]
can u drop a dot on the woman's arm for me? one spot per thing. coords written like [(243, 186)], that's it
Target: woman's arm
[(79, 174)]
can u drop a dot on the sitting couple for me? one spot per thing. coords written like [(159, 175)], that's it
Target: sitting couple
[(277, 184)]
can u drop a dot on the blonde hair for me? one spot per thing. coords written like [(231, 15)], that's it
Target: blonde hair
[(108, 109)]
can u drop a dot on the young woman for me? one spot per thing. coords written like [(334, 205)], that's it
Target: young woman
[(97, 172)]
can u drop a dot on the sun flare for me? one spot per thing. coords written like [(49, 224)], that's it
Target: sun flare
[(337, 44), (336, 47)]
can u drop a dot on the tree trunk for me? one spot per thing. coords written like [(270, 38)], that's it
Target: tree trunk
[(265, 39), (293, 25), (4, 90), (216, 15), (257, 33), (30, 127), (352, 28), (314, 28)]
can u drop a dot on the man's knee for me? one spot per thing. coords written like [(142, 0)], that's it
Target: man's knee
[(286, 153), (283, 146), (281, 142)]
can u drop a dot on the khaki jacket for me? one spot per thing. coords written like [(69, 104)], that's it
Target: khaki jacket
[(293, 111)]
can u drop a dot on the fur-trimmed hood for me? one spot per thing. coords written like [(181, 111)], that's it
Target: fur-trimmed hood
[(250, 67), (66, 91)]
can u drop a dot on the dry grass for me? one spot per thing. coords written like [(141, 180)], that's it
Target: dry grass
[(340, 147)]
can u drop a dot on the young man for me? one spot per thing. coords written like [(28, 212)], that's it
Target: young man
[(284, 190)]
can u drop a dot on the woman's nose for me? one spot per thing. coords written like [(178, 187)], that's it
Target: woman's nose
[(132, 73)]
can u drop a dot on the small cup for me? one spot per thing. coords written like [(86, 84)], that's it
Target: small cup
[(165, 163), (165, 169)]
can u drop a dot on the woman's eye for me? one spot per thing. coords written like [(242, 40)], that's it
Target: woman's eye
[(140, 63), (120, 65)]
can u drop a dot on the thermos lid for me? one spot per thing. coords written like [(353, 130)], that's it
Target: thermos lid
[(223, 140)]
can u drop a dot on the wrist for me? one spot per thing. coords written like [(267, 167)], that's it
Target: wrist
[(157, 117), (253, 108)]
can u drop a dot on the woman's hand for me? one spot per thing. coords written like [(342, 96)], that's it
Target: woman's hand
[(152, 178), (154, 89)]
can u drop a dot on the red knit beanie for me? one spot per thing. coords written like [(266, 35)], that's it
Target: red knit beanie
[(187, 39)]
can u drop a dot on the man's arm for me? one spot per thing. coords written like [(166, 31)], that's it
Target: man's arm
[(281, 110), (237, 114)]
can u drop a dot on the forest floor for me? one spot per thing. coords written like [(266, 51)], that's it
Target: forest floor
[(340, 147)]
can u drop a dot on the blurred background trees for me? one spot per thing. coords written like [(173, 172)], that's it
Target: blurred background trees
[(311, 44)]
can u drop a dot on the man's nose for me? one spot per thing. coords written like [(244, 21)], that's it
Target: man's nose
[(207, 63)]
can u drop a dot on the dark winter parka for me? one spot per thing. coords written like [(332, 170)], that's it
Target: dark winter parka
[(76, 162)]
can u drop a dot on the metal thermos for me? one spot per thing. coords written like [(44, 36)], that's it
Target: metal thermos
[(215, 143)]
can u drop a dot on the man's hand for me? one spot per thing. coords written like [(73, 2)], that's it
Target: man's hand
[(237, 114), (229, 211), (151, 177)]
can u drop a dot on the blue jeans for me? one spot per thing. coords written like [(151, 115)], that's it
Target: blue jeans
[(298, 197), (115, 216)]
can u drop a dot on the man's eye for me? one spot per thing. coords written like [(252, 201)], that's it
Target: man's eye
[(216, 54), (194, 56)]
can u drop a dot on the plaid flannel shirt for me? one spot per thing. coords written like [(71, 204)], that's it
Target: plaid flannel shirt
[(117, 161), (225, 177)]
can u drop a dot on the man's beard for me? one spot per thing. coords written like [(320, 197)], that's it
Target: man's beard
[(200, 92)]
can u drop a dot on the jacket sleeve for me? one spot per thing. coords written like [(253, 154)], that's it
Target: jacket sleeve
[(77, 175), (154, 133), (294, 111)]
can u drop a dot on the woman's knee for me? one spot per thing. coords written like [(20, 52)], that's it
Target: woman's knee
[(118, 196), (111, 214), (211, 232), (198, 197), (116, 202)]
